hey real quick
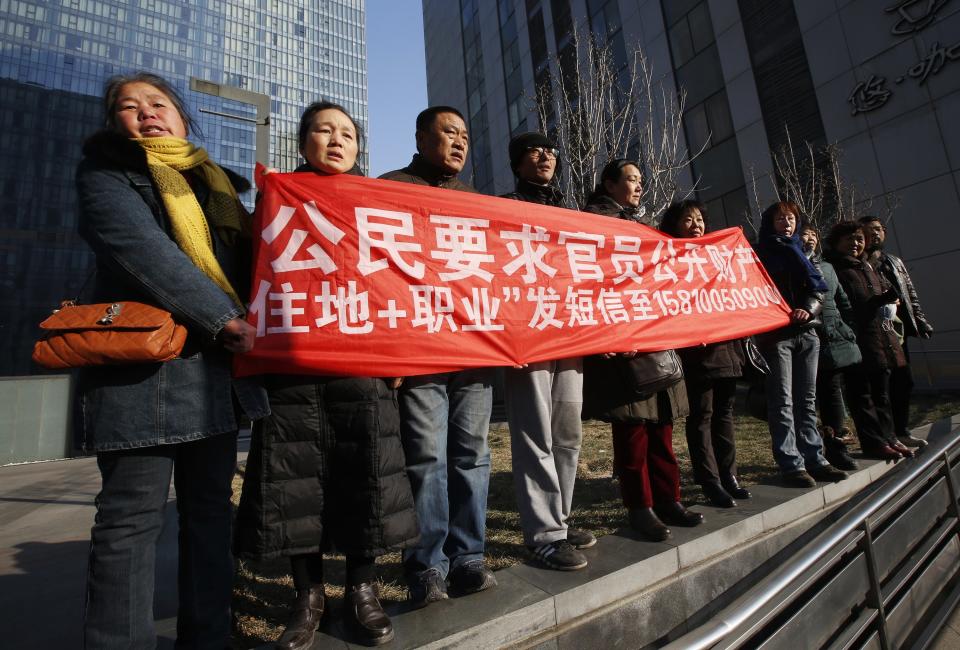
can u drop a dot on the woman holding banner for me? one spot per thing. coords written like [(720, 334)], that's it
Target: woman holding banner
[(168, 230), (326, 468), (792, 351), (642, 429), (710, 373)]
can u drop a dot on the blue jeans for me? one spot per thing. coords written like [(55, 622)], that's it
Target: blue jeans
[(444, 421), (120, 576), (792, 401)]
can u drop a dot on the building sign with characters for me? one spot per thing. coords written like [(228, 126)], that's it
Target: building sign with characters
[(912, 17)]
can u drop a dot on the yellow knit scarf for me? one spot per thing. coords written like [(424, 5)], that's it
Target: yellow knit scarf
[(166, 158)]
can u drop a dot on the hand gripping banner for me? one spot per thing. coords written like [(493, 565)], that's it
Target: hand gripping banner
[(356, 276)]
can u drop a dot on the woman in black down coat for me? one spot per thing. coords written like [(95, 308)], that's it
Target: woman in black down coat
[(326, 468), (711, 373), (868, 382), (642, 429)]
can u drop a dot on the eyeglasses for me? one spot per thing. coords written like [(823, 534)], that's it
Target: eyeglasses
[(541, 152)]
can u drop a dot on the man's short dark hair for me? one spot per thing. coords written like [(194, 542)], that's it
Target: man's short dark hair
[(871, 218), (428, 116)]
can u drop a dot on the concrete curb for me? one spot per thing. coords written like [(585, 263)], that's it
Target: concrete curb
[(532, 605)]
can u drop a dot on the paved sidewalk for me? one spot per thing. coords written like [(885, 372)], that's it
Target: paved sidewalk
[(46, 510)]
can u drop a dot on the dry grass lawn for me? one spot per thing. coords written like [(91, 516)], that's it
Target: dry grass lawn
[(263, 590)]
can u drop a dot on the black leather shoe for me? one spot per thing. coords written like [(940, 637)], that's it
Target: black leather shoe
[(364, 616), (305, 616), (471, 577), (732, 486), (676, 515), (837, 455), (717, 496), (646, 523)]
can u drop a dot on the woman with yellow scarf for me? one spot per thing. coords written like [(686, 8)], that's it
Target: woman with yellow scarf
[(168, 230)]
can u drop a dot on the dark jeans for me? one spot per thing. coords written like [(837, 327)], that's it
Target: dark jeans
[(869, 396), (791, 401), (710, 438), (130, 506), (645, 463), (830, 398), (901, 386)]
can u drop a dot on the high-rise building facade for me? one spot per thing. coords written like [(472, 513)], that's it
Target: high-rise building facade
[(54, 59), (880, 80)]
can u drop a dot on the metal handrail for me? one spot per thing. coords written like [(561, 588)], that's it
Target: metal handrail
[(764, 592)]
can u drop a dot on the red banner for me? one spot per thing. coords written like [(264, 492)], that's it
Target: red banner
[(355, 276)]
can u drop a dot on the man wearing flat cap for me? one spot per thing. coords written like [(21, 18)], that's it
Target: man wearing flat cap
[(544, 401)]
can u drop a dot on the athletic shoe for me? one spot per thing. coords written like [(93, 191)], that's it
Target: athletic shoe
[(471, 577), (429, 587), (559, 555), (580, 538)]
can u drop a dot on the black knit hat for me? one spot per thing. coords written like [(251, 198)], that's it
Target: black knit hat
[(522, 143)]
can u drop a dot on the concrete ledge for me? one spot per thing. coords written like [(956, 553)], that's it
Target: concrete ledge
[(634, 591)]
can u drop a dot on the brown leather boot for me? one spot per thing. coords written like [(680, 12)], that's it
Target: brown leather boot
[(305, 616), (364, 616)]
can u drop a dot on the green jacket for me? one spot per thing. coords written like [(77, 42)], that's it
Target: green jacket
[(838, 343)]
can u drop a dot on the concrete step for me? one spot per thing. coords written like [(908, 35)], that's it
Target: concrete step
[(634, 591)]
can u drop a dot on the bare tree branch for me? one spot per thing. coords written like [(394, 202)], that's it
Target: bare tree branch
[(816, 183), (596, 113)]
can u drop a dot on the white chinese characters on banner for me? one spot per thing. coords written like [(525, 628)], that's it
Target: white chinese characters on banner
[(491, 267)]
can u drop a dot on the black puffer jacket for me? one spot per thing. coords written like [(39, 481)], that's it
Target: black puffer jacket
[(326, 468)]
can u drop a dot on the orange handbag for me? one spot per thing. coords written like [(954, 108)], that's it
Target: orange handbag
[(117, 333)]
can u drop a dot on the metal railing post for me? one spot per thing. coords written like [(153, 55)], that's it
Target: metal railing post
[(951, 487), (876, 594)]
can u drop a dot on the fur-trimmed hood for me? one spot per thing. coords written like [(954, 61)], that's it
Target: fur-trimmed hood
[(113, 149)]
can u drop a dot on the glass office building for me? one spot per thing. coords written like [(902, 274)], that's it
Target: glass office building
[(54, 59), (876, 79)]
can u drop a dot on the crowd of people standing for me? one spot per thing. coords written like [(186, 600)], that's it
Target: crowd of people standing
[(371, 465)]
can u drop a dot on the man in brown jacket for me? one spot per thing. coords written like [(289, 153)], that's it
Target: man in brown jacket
[(445, 417)]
